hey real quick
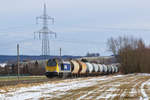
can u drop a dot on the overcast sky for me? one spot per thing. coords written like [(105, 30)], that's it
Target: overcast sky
[(81, 25)]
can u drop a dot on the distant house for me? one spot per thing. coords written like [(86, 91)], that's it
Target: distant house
[(3, 65), (92, 54)]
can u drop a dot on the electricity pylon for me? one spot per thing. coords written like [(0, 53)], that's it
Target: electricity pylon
[(44, 33)]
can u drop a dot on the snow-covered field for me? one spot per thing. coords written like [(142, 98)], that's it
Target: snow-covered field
[(132, 86)]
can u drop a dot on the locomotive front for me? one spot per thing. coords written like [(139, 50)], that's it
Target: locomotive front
[(56, 67), (52, 68)]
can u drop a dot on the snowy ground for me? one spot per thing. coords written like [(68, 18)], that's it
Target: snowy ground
[(130, 87)]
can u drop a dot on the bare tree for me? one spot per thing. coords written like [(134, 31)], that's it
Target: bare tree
[(132, 53), (112, 46)]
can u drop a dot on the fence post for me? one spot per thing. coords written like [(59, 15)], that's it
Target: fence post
[(18, 60)]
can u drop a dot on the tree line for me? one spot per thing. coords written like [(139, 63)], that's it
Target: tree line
[(25, 68), (132, 53)]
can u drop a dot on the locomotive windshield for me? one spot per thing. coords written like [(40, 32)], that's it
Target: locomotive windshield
[(51, 62)]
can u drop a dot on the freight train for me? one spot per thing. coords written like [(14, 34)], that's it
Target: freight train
[(76, 68)]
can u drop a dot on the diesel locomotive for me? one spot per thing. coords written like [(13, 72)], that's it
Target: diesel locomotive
[(75, 68)]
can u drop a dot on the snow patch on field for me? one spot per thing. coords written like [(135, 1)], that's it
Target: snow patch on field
[(144, 95), (50, 89), (2, 91), (119, 76), (133, 91), (106, 87), (39, 91), (143, 74), (110, 96), (3, 65), (80, 98), (112, 89)]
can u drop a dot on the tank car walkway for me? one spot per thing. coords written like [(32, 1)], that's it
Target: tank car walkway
[(130, 87)]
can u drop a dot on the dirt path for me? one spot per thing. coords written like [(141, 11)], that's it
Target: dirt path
[(124, 87)]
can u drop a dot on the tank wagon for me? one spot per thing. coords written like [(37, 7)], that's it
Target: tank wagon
[(76, 68)]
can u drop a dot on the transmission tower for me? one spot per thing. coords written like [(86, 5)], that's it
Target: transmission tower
[(45, 33)]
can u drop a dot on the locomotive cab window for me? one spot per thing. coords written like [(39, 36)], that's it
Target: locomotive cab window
[(51, 62)]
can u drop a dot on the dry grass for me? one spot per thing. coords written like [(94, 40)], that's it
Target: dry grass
[(102, 85), (147, 90), (127, 88), (15, 78), (12, 88), (15, 87), (122, 89)]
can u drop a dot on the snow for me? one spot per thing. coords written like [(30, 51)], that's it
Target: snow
[(2, 91), (144, 95), (119, 76), (143, 74), (3, 64), (49, 88), (123, 94), (110, 95), (80, 98), (112, 89), (133, 91), (105, 88)]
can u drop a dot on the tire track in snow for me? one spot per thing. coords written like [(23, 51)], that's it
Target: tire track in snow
[(134, 91), (103, 88), (126, 89), (144, 95), (119, 91), (85, 91)]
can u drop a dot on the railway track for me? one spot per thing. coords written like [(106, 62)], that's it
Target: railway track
[(28, 81)]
